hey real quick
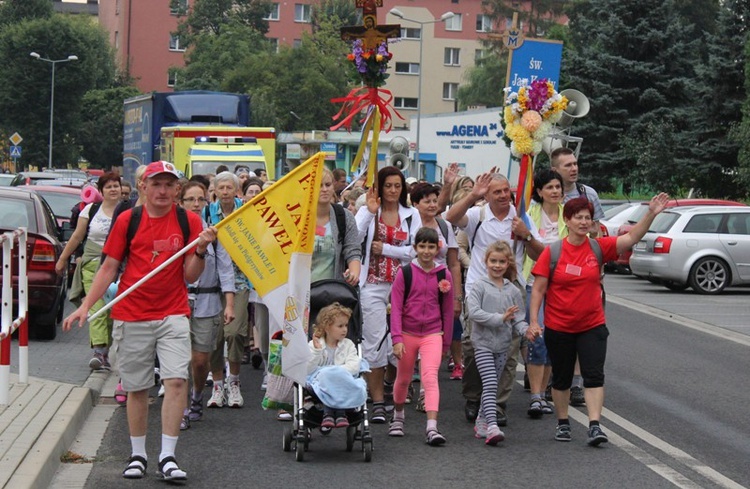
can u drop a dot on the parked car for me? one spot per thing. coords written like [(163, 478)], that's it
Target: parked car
[(706, 248), (34, 177), (47, 290), (60, 199), (623, 260), (10, 179), (608, 204), (615, 217)]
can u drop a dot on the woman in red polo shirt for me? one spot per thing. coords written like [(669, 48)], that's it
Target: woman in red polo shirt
[(575, 326)]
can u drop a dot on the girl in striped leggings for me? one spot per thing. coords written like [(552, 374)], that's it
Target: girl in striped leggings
[(495, 307)]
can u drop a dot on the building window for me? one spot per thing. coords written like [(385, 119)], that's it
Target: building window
[(117, 39), (411, 33), (179, 7), (274, 14), (509, 24), (174, 43), (478, 54), (450, 90), (302, 12), (452, 57), (296, 43), (407, 68), (274, 42), (484, 23), (454, 23), (171, 79), (406, 103)]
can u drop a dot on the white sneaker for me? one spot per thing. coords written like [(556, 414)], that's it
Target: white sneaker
[(161, 390), (264, 384), (217, 399), (210, 379), (235, 397)]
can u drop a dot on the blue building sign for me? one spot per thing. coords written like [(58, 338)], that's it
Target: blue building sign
[(534, 59)]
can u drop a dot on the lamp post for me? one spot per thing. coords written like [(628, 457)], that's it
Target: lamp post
[(72, 57), (397, 13)]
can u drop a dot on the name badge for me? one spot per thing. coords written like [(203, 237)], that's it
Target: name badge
[(440, 244), (400, 235), (573, 270), (320, 230)]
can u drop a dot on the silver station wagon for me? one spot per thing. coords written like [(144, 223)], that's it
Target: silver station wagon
[(706, 248)]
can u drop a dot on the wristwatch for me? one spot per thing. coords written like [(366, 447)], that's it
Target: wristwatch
[(528, 238)]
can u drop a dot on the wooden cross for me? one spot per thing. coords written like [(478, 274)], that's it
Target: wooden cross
[(370, 32)]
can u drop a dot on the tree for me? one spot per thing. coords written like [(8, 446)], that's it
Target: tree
[(212, 17), (485, 81), (719, 99), (15, 11), (25, 82), (537, 20), (341, 12), (635, 61), (100, 131)]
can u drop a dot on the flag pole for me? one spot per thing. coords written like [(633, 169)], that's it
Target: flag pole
[(148, 277)]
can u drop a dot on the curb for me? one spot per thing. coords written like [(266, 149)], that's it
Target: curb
[(42, 461)]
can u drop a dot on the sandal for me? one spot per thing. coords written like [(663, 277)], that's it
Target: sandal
[(396, 428), (434, 438), (283, 416), (121, 397), (378, 414), (546, 408), (136, 468), (196, 409), (185, 423), (420, 403), (172, 472)]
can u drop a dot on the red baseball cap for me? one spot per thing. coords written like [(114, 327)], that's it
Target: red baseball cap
[(160, 167)]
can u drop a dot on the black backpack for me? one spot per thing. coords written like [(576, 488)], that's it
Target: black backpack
[(135, 222), (406, 271)]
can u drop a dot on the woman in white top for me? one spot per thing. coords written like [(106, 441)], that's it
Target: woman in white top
[(94, 223)]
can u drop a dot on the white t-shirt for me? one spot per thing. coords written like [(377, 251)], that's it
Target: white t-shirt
[(491, 230), (549, 233), (441, 258), (98, 226)]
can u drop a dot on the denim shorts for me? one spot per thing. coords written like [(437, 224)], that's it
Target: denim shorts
[(537, 351)]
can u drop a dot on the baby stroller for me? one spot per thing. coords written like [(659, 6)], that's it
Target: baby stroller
[(308, 413)]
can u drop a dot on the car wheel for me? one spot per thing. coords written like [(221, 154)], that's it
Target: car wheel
[(709, 275)]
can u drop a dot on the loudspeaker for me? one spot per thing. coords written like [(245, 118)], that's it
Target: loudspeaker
[(549, 144), (578, 106), (399, 145), (400, 161)]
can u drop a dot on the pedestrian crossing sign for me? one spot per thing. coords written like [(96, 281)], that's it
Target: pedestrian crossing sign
[(15, 151)]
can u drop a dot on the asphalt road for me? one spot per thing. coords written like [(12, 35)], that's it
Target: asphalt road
[(674, 413)]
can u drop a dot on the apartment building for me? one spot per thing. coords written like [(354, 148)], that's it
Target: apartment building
[(140, 31)]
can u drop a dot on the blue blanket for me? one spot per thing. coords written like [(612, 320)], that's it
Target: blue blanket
[(337, 388)]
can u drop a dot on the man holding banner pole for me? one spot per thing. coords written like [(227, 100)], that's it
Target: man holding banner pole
[(153, 318)]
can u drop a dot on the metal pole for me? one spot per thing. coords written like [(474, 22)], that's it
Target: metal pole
[(419, 96), (51, 113)]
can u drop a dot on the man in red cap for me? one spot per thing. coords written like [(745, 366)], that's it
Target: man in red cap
[(154, 317)]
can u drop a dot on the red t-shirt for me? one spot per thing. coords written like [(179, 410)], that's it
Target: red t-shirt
[(574, 302), (158, 239)]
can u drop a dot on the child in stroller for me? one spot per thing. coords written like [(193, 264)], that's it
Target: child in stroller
[(331, 347)]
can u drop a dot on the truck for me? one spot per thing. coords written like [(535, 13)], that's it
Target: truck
[(203, 130)]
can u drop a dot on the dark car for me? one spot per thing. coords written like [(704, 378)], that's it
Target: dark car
[(47, 290), (60, 199)]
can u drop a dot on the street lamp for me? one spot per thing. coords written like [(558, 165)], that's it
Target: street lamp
[(72, 57), (397, 13)]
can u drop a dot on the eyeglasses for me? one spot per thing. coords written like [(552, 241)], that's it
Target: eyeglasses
[(190, 200)]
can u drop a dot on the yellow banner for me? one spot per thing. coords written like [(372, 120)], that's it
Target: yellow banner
[(261, 235)]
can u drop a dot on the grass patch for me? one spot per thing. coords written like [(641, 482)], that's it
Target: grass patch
[(75, 458)]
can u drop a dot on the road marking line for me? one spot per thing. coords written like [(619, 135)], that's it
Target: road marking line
[(674, 452), (651, 462), (710, 329)]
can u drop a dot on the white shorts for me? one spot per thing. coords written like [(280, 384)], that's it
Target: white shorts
[(135, 344), (374, 300)]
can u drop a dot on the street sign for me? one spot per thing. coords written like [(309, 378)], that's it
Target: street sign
[(16, 139), (15, 151), (536, 58)]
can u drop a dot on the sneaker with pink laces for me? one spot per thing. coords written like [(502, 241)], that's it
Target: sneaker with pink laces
[(328, 422), (458, 372), (494, 435)]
